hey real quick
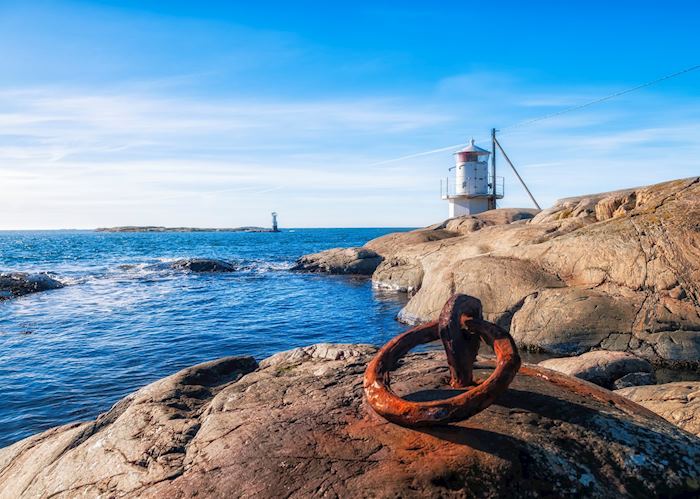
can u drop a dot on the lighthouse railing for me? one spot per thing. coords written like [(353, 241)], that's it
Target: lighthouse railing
[(472, 187), (499, 187)]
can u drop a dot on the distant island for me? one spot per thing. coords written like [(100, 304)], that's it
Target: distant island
[(153, 228)]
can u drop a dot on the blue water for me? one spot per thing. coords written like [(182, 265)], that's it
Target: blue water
[(69, 354)]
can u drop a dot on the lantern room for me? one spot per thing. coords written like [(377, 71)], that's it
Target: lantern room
[(471, 191)]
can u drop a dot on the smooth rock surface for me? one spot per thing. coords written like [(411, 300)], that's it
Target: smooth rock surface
[(14, 284), (359, 261), (298, 427), (677, 402), (141, 441), (613, 271), (600, 367), (399, 274)]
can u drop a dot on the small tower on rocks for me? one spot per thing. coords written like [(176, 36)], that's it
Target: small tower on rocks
[(473, 190), (274, 222)]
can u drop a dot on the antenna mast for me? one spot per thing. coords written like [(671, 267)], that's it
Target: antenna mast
[(492, 199)]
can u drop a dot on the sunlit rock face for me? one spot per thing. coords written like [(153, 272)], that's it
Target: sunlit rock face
[(678, 402), (603, 367), (613, 271), (297, 426), (358, 261)]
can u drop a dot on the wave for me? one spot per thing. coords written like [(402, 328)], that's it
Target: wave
[(265, 266)]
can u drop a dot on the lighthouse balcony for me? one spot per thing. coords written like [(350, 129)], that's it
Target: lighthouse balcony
[(471, 188)]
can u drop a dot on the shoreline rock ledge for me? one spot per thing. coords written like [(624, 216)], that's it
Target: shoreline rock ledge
[(296, 425), (357, 261), (612, 271)]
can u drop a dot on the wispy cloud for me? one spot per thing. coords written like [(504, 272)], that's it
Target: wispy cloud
[(83, 157)]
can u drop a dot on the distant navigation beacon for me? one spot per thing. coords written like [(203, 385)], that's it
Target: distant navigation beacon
[(274, 222), (473, 191)]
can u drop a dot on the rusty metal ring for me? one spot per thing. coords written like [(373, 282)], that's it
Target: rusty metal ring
[(461, 329)]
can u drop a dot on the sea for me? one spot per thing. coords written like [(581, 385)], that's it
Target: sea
[(123, 320)]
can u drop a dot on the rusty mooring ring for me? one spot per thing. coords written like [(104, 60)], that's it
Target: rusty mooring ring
[(461, 328)]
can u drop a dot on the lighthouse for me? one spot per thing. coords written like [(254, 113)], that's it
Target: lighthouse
[(472, 190)]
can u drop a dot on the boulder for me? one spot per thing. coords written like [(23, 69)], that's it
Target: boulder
[(203, 265), (359, 261), (502, 285), (14, 284), (601, 367), (615, 205), (298, 427), (570, 320), (613, 271), (399, 274), (677, 402)]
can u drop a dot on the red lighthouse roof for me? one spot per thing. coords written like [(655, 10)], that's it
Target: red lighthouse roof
[(472, 148)]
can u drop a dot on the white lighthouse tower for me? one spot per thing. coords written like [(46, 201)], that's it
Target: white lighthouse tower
[(472, 191)]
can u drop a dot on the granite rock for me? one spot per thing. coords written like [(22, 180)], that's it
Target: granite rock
[(601, 367), (678, 402), (613, 271), (359, 261), (298, 427)]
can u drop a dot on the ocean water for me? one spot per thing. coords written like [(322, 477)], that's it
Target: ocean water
[(69, 354)]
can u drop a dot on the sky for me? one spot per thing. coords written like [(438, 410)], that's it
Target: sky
[(214, 114)]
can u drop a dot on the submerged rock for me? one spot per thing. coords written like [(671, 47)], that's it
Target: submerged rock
[(14, 284), (359, 261), (202, 265), (677, 402), (298, 427), (600, 367)]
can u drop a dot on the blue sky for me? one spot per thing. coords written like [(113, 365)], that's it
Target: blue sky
[(216, 113)]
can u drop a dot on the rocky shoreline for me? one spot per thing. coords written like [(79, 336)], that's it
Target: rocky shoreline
[(17, 284), (295, 425), (614, 271), (608, 283)]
